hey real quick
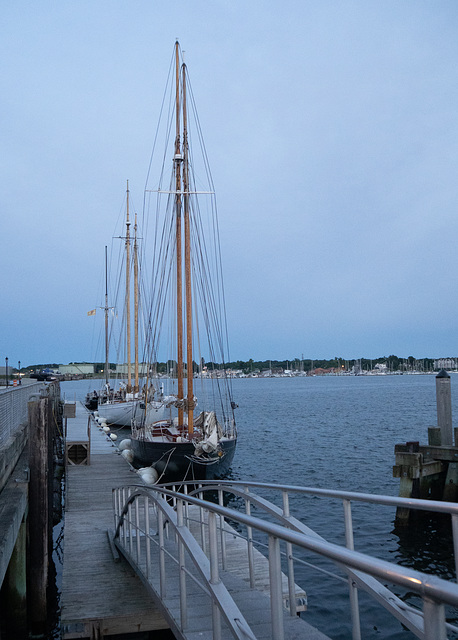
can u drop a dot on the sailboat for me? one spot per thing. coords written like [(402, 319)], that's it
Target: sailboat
[(119, 406), (197, 439)]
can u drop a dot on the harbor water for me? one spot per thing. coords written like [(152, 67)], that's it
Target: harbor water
[(339, 432)]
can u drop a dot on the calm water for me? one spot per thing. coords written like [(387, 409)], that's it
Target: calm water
[(339, 432)]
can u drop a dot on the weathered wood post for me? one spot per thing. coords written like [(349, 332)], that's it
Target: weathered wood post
[(39, 508), (444, 422), (15, 613), (444, 408)]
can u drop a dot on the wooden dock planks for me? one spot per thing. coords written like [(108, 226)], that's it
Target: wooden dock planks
[(99, 596)]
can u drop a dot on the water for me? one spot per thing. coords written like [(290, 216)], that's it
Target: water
[(339, 433)]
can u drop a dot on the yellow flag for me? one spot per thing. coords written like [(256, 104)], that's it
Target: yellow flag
[(91, 313)]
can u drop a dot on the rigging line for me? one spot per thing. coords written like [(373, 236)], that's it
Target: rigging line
[(202, 267), (199, 283), (164, 275), (118, 285), (217, 261), (216, 222), (162, 260), (200, 136), (168, 135), (206, 286), (168, 83), (224, 381), (157, 260)]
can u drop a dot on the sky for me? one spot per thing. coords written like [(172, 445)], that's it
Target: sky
[(331, 129)]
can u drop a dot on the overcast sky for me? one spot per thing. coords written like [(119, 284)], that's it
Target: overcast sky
[(331, 128)]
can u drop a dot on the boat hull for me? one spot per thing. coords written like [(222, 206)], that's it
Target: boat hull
[(122, 413), (176, 461)]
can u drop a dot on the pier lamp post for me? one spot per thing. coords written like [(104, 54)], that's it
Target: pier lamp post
[(6, 370), (19, 372)]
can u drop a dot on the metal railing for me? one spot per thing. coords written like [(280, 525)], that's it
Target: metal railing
[(13, 407), (146, 517)]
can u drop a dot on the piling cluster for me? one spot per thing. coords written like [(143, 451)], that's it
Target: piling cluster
[(430, 471)]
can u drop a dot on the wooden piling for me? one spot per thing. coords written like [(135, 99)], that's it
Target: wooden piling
[(38, 552), (430, 471), (444, 408), (15, 598)]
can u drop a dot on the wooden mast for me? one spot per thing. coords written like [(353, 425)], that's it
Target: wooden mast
[(187, 265), (136, 384), (129, 372), (178, 159)]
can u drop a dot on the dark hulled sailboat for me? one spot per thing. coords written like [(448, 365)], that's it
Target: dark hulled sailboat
[(197, 440)]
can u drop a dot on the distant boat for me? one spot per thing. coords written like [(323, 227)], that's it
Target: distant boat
[(198, 438), (45, 374)]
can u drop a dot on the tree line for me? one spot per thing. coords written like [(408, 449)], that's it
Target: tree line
[(393, 363)]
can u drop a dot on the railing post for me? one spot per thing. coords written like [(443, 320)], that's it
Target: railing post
[(223, 538), (249, 535), (186, 506), (434, 620), (122, 529), (129, 514), (160, 528), (202, 524), (147, 538), (276, 596), (354, 605), (455, 542), (117, 514), (214, 571), (182, 567), (290, 562), (125, 517), (137, 527)]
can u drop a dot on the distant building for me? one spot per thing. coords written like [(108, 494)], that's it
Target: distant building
[(319, 371), (446, 363), (121, 369), (77, 368)]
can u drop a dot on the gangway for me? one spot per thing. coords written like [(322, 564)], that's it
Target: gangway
[(180, 541)]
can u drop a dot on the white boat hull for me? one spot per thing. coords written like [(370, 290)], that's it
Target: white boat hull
[(122, 413)]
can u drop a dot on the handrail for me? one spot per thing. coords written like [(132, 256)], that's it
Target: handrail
[(393, 501), (422, 583), (208, 570), (434, 591)]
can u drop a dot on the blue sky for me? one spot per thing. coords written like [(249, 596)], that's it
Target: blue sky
[(332, 133)]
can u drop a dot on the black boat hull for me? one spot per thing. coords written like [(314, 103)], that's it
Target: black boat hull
[(176, 461)]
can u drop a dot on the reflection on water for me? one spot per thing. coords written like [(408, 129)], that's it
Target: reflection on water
[(340, 432)]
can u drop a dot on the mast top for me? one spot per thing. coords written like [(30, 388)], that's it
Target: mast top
[(127, 207)]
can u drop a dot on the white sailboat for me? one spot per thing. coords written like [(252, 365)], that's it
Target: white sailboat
[(119, 406)]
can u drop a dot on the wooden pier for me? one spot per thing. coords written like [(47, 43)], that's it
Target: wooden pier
[(100, 597)]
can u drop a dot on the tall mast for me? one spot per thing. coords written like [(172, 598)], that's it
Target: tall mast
[(107, 364), (187, 263), (136, 386), (178, 159), (129, 372)]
